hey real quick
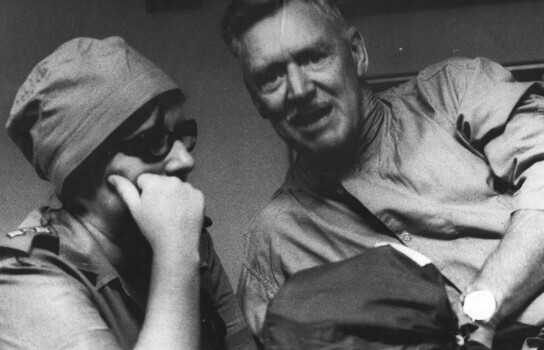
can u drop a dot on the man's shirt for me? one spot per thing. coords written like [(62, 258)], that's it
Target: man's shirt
[(444, 160), (77, 299)]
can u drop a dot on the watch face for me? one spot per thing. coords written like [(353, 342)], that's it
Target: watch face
[(480, 306)]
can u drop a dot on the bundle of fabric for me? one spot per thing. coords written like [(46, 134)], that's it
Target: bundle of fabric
[(385, 298)]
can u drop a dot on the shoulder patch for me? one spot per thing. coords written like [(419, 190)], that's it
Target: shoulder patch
[(25, 239), (24, 231)]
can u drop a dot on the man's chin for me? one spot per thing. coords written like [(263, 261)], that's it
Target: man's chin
[(325, 146)]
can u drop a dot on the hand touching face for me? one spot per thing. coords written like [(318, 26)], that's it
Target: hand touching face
[(168, 211)]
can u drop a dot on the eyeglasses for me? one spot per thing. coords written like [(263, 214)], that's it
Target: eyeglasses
[(154, 144)]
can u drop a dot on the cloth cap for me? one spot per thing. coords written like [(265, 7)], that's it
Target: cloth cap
[(75, 98)]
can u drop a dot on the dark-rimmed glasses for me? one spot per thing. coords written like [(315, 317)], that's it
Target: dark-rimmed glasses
[(154, 144)]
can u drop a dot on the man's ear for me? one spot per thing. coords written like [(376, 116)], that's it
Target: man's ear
[(254, 98), (358, 51)]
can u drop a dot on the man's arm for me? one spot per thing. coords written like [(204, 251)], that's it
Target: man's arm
[(514, 272), (504, 121)]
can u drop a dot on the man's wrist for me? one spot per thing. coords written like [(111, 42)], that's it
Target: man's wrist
[(480, 306)]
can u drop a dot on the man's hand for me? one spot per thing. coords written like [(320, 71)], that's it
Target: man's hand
[(169, 212)]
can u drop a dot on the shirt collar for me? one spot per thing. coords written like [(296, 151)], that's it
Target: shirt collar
[(79, 247)]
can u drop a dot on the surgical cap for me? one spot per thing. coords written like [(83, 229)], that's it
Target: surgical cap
[(75, 98)]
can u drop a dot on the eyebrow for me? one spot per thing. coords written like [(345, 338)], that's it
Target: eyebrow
[(158, 122), (317, 45)]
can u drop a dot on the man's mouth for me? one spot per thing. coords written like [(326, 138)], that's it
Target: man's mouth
[(309, 117)]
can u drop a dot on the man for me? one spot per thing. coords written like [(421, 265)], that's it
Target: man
[(123, 262), (447, 164)]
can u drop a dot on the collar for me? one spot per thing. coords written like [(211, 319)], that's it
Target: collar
[(79, 247)]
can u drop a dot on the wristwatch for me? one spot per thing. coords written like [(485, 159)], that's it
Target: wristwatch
[(480, 306)]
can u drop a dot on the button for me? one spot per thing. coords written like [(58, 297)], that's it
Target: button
[(405, 236)]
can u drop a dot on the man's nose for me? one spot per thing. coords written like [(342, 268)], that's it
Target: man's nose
[(179, 160), (300, 85)]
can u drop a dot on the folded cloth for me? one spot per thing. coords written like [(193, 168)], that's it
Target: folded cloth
[(381, 299)]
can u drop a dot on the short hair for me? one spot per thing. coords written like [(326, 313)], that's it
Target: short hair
[(241, 15)]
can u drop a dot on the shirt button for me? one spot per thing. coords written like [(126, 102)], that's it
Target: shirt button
[(405, 236)]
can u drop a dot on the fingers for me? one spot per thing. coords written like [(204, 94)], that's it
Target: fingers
[(160, 184), (128, 192), (147, 180)]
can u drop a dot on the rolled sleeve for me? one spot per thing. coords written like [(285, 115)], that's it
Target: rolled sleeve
[(516, 155), (531, 195), (504, 121)]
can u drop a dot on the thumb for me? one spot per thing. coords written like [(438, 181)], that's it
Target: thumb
[(128, 192)]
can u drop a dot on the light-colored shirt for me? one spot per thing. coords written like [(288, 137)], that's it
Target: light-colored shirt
[(445, 159), (75, 298)]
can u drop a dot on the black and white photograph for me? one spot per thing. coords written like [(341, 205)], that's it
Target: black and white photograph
[(272, 174)]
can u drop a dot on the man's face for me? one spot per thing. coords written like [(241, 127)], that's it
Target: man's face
[(302, 72)]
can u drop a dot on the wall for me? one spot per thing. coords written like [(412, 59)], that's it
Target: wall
[(240, 162), (402, 42)]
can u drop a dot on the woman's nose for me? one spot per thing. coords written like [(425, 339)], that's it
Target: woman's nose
[(179, 159)]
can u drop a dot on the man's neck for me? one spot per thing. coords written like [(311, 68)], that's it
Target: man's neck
[(341, 159), (333, 163)]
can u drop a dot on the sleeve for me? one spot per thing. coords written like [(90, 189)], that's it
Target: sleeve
[(238, 334), (257, 285), (503, 120), (45, 308), (254, 297)]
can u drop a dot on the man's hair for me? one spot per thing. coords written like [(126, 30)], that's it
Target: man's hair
[(241, 15)]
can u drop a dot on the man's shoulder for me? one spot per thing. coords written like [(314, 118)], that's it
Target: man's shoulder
[(298, 197), (278, 219), (446, 84), (281, 205), (454, 66)]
